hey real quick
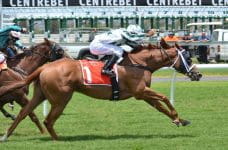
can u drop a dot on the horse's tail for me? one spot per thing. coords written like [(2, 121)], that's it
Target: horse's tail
[(16, 85)]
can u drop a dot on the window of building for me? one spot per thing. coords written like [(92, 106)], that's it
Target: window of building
[(39, 27)]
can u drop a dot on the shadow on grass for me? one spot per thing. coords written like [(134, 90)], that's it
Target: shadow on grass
[(116, 137)]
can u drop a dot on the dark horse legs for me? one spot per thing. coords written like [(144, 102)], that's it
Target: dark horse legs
[(29, 106), (6, 114)]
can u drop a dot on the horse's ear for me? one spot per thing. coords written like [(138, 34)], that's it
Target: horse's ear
[(164, 44), (47, 41)]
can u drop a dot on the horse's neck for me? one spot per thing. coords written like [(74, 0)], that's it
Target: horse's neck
[(134, 58), (154, 59), (13, 62), (164, 58), (29, 66)]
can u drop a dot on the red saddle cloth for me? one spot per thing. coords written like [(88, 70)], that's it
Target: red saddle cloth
[(3, 65), (92, 73)]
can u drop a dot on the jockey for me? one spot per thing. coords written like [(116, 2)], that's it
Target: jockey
[(10, 36), (109, 44)]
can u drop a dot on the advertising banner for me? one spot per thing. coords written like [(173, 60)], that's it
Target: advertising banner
[(62, 3)]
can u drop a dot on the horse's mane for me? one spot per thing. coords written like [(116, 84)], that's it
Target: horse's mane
[(145, 46)]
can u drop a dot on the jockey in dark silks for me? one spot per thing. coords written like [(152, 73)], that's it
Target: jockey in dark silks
[(9, 37)]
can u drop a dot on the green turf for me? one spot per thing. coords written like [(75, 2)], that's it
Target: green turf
[(133, 125)]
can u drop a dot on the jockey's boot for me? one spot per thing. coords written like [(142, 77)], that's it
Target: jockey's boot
[(107, 69)]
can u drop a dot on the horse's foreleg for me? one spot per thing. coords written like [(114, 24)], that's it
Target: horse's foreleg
[(23, 113), (153, 99), (58, 103), (36, 100), (22, 102)]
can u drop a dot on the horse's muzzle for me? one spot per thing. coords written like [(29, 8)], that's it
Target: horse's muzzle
[(194, 76)]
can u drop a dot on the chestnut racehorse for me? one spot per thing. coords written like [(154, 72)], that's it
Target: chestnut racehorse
[(27, 62), (58, 80)]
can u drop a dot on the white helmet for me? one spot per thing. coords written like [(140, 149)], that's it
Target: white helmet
[(15, 34), (134, 29)]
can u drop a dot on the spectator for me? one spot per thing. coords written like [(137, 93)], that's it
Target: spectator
[(171, 37), (203, 49), (187, 38)]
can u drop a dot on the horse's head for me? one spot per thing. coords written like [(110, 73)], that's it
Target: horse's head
[(48, 50), (182, 62)]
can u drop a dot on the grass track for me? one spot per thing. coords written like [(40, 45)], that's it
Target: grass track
[(134, 125)]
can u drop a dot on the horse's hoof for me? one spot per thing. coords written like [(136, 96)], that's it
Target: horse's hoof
[(185, 122), (3, 138), (13, 117)]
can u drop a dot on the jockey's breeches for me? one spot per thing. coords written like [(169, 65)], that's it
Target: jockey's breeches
[(99, 48)]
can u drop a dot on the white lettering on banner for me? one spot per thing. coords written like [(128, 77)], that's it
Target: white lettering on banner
[(46, 3), (213, 2), (33, 3), (156, 3), (95, 2), (162, 2), (109, 2), (194, 2), (19, 3), (102, 3), (223, 3), (115, 3), (53, 3), (122, 3), (40, 3), (81, 3), (182, 3), (12, 4), (26, 3), (148, 3), (60, 3), (175, 2), (187, 2), (88, 3)]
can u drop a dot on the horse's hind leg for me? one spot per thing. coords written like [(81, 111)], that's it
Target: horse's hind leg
[(58, 103), (36, 100), (6, 114)]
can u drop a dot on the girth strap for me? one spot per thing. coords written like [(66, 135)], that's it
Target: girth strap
[(115, 88)]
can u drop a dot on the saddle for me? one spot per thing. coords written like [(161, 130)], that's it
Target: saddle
[(91, 70)]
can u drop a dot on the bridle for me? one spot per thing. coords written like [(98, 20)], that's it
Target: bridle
[(49, 58), (182, 55), (53, 50)]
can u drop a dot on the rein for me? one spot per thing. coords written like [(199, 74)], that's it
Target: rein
[(20, 71)]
